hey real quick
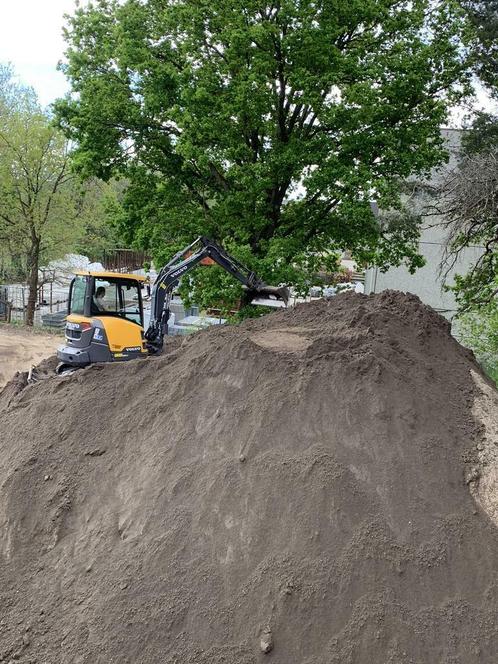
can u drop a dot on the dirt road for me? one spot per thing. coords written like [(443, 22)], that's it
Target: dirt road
[(19, 349)]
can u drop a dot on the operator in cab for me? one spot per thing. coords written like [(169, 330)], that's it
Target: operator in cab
[(98, 299)]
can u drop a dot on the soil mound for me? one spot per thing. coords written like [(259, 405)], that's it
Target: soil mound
[(318, 485)]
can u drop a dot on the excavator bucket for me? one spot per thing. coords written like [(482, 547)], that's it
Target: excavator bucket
[(268, 296)]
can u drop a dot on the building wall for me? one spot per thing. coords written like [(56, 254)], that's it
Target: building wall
[(427, 282)]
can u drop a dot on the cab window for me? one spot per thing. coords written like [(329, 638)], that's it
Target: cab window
[(105, 297), (78, 290), (116, 298), (130, 308)]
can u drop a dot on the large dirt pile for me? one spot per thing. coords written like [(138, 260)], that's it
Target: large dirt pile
[(321, 481)]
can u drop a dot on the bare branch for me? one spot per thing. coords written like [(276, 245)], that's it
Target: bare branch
[(468, 201)]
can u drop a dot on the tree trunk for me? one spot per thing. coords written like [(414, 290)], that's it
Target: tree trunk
[(33, 260)]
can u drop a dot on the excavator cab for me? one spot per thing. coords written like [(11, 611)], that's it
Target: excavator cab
[(105, 321)]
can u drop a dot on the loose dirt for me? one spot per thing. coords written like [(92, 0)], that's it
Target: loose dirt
[(301, 489), (20, 349)]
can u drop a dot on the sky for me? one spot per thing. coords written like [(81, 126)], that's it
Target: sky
[(31, 40)]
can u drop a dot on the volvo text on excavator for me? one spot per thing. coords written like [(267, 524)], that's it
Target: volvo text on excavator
[(105, 321)]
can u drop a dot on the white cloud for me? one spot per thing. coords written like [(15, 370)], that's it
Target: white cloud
[(31, 39)]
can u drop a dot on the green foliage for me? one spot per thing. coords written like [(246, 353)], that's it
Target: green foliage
[(478, 288), (484, 18), (45, 211), (43, 205), (99, 207), (36, 201), (469, 200), (482, 136), (266, 126), (479, 331), (36, 204), (211, 287), (483, 15), (15, 97)]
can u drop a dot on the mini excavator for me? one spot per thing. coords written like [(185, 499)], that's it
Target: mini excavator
[(105, 321)]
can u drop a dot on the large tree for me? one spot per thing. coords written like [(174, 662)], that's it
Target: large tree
[(269, 125)]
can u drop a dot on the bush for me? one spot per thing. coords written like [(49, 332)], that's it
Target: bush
[(479, 331)]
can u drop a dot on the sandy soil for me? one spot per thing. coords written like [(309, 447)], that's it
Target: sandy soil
[(318, 482), (20, 349)]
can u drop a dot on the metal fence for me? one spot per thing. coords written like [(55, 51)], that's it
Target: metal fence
[(50, 309), (4, 305), (124, 260)]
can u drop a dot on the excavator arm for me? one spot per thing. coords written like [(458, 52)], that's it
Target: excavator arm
[(181, 264)]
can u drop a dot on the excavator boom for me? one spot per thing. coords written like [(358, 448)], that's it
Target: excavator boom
[(255, 290)]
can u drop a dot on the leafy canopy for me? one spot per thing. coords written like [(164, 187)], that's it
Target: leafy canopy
[(268, 125), (483, 16), (35, 204)]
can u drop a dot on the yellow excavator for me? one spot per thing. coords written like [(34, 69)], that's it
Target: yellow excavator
[(105, 321)]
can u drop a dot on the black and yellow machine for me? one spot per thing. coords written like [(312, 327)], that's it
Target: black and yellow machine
[(105, 321)]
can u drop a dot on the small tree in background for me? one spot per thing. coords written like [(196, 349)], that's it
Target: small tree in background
[(479, 331), (99, 209), (45, 210), (468, 200), (36, 204)]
